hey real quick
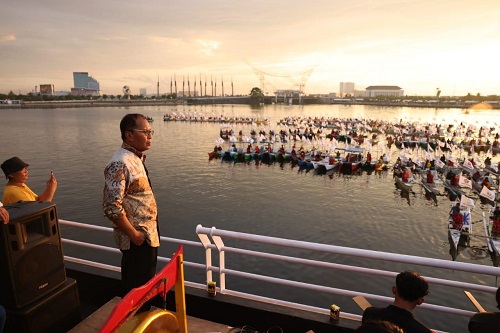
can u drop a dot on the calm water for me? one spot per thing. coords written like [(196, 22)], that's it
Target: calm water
[(364, 211)]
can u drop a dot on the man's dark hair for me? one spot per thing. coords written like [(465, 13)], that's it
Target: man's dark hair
[(411, 286), (378, 326), (128, 123)]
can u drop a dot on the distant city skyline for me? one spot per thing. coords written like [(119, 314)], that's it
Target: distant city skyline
[(419, 45)]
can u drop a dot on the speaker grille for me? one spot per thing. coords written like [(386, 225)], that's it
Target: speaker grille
[(38, 272), (31, 258)]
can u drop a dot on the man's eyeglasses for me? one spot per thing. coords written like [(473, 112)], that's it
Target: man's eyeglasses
[(145, 132)]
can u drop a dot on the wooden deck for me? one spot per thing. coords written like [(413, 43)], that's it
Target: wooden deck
[(92, 323)]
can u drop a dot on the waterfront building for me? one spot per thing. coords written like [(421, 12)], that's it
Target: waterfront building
[(286, 96), (47, 89), (376, 91), (346, 88), (85, 84), (143, 92)]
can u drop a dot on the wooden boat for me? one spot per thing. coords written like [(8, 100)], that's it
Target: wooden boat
[(351, 161), (406, 186), (459, 237), (213, 154), (477, 187), (324, 164), (492, 242), (431, 188), (431, 191), (454, 192), (398, 176), (305, 165)]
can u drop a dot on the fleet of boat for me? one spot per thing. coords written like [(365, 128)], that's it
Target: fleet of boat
[(453, 156)]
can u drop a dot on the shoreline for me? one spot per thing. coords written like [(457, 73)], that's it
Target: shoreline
[(240, 100)]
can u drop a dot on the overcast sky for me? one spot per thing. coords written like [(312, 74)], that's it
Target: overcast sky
[(418, 45)]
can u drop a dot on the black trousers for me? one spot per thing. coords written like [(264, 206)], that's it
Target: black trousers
[(138, 267)]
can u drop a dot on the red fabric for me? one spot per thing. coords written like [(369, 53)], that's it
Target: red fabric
[(458, 221), (153, 287)]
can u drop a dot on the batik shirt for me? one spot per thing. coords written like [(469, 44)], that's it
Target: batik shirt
[(127, 192)]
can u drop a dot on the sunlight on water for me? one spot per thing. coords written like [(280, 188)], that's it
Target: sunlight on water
[(364, 211)]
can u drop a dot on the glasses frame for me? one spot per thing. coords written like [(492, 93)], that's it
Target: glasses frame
[(145, 132)]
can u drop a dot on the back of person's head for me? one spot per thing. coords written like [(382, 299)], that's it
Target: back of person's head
[(411, 286), (128, 123), (378, 326)]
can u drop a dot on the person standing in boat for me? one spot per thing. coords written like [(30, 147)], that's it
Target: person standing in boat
[(16, 171), (495, 228), (129, 203), (409, 292), (430, 177), (406, 175)]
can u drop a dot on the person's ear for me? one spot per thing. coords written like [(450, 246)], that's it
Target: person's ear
[(420, 300), (128, 135)]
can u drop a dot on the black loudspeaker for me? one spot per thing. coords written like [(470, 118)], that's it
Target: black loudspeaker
[(31, 258), (57, 312)]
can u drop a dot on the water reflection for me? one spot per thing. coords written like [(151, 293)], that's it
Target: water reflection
[(361, 209)]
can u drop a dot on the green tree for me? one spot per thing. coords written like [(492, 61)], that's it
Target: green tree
[(256, 92), (256, 96)]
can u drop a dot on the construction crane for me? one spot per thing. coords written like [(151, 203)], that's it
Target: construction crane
[(294, 80)]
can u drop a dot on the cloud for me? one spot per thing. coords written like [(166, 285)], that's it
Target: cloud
[(111, 38), (208, 47), (7, 38)]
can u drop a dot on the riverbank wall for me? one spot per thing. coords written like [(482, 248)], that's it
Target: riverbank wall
[(267, 100)]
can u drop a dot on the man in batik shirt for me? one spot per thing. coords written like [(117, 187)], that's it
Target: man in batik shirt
[(129, 203)]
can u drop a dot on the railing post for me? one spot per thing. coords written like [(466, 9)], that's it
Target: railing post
[(208, 253), (222, 263)]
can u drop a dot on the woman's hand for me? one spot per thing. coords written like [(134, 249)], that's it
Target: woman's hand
[(52, 182), (50, 190), (4, 215)]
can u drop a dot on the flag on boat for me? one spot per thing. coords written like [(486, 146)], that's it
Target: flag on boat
[(439, 163), (464, 182), (468, 165), (467, 202), (487, 193)]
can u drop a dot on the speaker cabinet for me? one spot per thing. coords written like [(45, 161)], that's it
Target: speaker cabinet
[(59, 311), (31, 258)]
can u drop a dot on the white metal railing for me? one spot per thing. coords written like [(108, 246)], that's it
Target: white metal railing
[(211, 239)]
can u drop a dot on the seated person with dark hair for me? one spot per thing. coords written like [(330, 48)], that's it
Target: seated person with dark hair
[(409, 292), (16, 171), (486, 322)]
